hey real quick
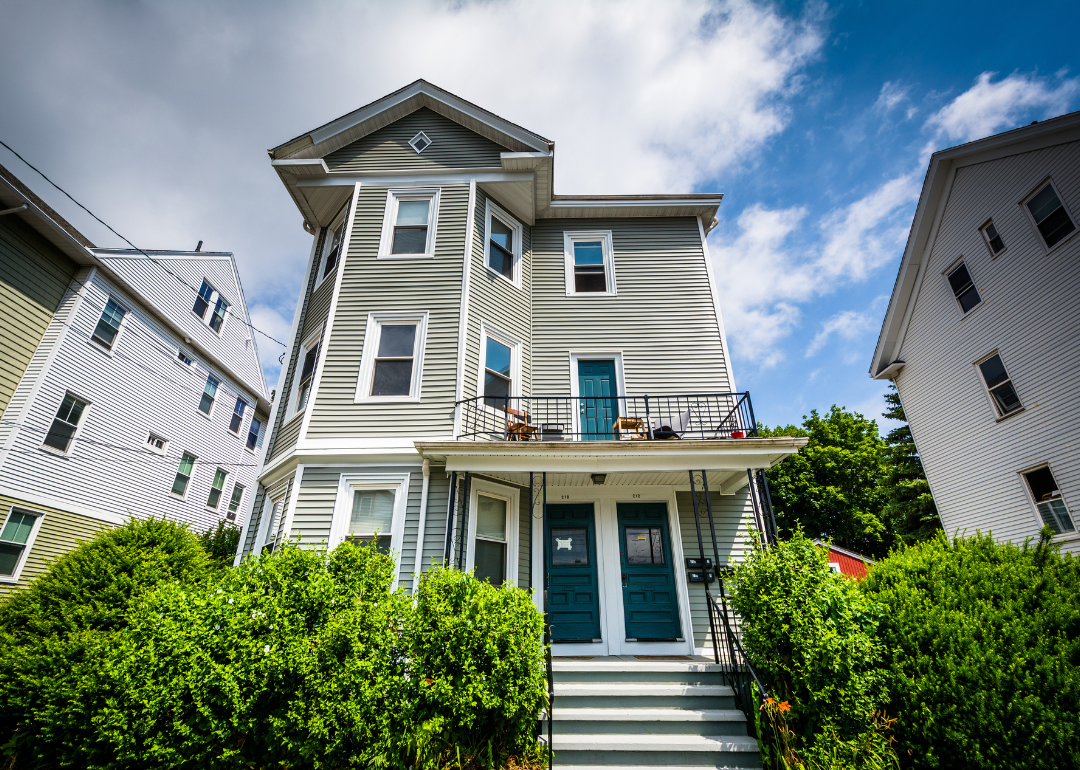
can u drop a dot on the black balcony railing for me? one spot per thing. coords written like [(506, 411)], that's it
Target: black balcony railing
[(607, 418)]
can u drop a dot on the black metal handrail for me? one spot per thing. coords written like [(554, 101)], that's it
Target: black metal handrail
[(607, 418)]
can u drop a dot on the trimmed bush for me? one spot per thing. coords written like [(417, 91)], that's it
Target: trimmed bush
[(809, 634), (220, 543), (982, 645)]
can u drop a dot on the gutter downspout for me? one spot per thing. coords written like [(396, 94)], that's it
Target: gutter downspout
[(418, 565)]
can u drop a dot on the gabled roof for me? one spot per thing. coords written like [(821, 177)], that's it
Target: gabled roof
[(43, 218), (935, 193)]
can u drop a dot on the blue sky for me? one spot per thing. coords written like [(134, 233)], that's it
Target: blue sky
[(815, 120)]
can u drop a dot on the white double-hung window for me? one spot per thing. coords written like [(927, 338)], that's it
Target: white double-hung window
[(333, 245), (409, 223), (392, 361), (207, 298), (370, 507), (493, 532), (16, 538), (590, 263), (305, 377), (500, 368), (502, 246)]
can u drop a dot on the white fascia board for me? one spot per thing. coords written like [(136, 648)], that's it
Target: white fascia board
[(305, 166), (48, 501), (644, 203), (430, 177)]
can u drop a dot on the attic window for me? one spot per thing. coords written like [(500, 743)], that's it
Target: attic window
[(419, 142)]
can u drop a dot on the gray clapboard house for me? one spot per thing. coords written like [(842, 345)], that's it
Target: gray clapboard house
[(981, 334), (485, 374), (130, 386)]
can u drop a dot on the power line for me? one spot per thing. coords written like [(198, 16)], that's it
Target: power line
[(129, 243)]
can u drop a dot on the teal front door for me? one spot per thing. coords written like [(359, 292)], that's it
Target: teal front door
[(599, 407), (650, 601), (573, 587)]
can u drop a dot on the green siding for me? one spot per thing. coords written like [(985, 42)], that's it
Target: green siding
[(452, 146), (372, 285), (60, 531), (33, 278)]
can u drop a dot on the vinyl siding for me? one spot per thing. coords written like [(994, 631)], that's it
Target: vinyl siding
[(138, 387), (33, 278), (435, 529), (1030, 315), (731, 516), (60, 531), (496, 302), (452, 146), (662, 320), (372, 285)]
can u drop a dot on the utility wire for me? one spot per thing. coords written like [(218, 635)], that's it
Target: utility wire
[(129, 243)]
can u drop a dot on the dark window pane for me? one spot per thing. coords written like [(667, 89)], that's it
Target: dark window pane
[(644, 545), (1056, 226), (496, 389), (501, 235), (397, 341), (392, 378), (420, 144), (409, 240), (71, 409), (215, 497), (1042, 483), (219, 314), (993, 371), (1006, 398), (590, 281), (1043, 204), (335, 247), (497, 357), (179, 484), (234, 423), (994, 239), (9, 558), (206, 403), (302, 396), (310, 358), (18, 528), (969, 299), (253, 433), (959, 279), (501, 262), (490, 562), (589, 253), (59, 435), (202, 302), (569, 546)]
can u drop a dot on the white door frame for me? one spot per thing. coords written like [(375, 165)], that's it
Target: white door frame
[(612, 616)]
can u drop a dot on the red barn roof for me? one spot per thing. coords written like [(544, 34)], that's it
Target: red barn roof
[(846, 562)]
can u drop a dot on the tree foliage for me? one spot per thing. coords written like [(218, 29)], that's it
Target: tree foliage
[(982, 644), (909, 506), (220, 542)]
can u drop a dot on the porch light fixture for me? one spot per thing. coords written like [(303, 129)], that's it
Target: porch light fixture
[(599, 478)]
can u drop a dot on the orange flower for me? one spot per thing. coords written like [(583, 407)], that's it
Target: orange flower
[(785, 706)]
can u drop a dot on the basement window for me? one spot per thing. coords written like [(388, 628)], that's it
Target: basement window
[(1048, 500), (420, 142)]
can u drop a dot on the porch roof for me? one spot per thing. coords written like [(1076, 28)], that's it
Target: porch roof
[(610, 456)]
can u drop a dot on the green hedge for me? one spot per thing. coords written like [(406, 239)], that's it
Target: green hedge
[(983, 652), (295, 659)]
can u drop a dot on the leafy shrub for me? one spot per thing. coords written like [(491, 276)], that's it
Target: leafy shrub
[(478, 662), (809, 633), (220, 542), (55, 634), (983, 651)]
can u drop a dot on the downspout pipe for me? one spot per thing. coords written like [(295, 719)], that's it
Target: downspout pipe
[(418, 565)]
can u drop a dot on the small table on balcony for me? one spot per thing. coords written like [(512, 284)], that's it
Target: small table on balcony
[(632, 426)]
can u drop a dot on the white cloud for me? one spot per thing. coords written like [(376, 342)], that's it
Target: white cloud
[(989, 107), (847, 324), (892, 94)]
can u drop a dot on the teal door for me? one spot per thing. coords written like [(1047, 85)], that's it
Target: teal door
[(573, 588), (650, 601), (598, 408)]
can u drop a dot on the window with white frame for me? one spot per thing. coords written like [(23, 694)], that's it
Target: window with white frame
[(371, 518), (183, 358), (992, 238), (420, 142), (66, 423), (234, 501), (590, 265), (392, 360), (183, 474), (503, 244), (1048, 500), (333, 245), (209, 394), (15, 539), (208, 298), (409, 224), (963, 288), (108, 326), (307, 376), (370, 508), (253, 433), (1049, 215), (500, 368), (237, 418), (999, 385), (157, 444), (277, 510), (216, 486), (492, 545)]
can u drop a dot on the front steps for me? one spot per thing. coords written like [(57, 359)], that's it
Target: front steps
[(623, 712)]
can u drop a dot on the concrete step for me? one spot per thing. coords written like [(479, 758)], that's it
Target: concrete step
[(671, 672), (643, 695), (647, 721), (697, 751)]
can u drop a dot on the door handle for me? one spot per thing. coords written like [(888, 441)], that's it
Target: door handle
[(624, 580)]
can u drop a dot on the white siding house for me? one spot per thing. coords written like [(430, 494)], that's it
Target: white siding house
[(134, 403), (981, 335)]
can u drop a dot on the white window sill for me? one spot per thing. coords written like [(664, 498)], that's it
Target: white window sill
[(1021, 410), (387, 400), (55, 452), (499, 276), (429, 255), (181, 498), (591, 294), (209, 417), (9, 580), (1059, 244), (110, 352)]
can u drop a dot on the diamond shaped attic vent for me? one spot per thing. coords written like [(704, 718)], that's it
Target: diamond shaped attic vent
[(420, 142)]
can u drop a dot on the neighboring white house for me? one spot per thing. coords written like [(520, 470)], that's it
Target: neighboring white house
[(142, 396), (982, 334)]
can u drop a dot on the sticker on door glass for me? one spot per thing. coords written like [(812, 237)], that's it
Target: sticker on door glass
[(644, 545), (569, 546)]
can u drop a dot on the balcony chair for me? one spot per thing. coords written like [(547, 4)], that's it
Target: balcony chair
[(668, 428), (518, 427)]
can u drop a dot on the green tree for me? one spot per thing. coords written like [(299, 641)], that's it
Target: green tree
[(832, 487), (220, 542), (910, 508)]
